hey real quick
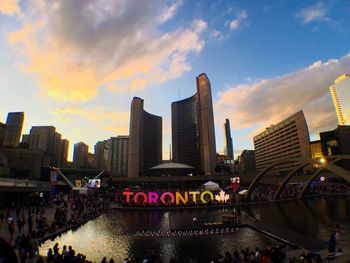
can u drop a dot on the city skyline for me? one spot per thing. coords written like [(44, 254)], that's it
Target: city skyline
[(86, 101)]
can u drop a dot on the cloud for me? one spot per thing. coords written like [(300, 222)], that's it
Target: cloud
[(241, 16), (75, 47), (169, 11), (316, 12), (9, 7), (96, 117), (268, 101)]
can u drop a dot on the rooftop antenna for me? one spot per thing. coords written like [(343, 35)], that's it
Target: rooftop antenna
[(179, 93)]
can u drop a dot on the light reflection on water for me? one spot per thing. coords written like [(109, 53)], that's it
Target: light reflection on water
[(112, 234)]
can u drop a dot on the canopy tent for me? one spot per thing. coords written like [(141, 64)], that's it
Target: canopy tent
[(211, 186)]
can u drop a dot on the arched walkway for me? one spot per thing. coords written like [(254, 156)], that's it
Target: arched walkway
[(329, 165)]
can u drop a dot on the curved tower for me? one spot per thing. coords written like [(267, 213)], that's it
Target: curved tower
[(193, 133), (145, 139)]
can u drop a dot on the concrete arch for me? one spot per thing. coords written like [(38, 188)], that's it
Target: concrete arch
[(337, 170), (260, 175), (305, 163), (329, 165), (287, 179)]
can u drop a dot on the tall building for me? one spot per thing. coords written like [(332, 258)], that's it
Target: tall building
[(228, 140), (247, 161), (286, 139), (118, 155), (101, 154), (2, 133), (43, 138), (80, 155), (46, 139), (340, 92), (14, 124), (193, 134), (63, 153), (145, 140)]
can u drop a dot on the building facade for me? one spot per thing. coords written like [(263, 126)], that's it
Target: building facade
[(228, 140), (101, 154), (145, 140), (118, 155), (340, 92), (80, 155), (2, 133), (14, 124), (193, 133), (23, 163), (63, 153), (286, 139), (316, 149), (247, 161), (336, 142)]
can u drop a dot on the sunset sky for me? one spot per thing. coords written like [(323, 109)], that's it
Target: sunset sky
[(77, 64)]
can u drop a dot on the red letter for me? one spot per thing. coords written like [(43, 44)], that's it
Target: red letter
[(153, 197), (142, 194), (127, 196)]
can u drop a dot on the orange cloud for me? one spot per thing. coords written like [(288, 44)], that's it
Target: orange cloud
[(9, 7), (125, 52), (95, 117)]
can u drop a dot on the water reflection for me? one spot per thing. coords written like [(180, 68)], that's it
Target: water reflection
[(112, 235)]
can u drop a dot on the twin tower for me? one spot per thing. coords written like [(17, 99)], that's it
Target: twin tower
[(193, 133)]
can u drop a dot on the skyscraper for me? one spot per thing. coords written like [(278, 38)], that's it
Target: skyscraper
[(228, 140), (118, 155), (80, 155), (193, 134), (340, 92), (145, 139), (101, 154), (44, 138), (13, 131), (63, 153), (286, 139)]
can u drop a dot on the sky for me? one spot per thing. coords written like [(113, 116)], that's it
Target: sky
[(76, 65)]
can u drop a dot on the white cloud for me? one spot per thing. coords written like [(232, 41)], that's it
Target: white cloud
[(268, 101), (169, 11), (75, 47), (217, 34), (316, 12), (241, 16)]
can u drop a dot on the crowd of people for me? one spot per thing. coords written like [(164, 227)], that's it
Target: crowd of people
[(25, 228)]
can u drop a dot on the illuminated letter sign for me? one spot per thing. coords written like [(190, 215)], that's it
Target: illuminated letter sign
[(194, 196), (181, 198), (178, 198), (136, 197), (127, 196), (172, 197), (153, 197), (206, 193)]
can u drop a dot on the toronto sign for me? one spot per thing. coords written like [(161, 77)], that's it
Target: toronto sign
[(177, 198)]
